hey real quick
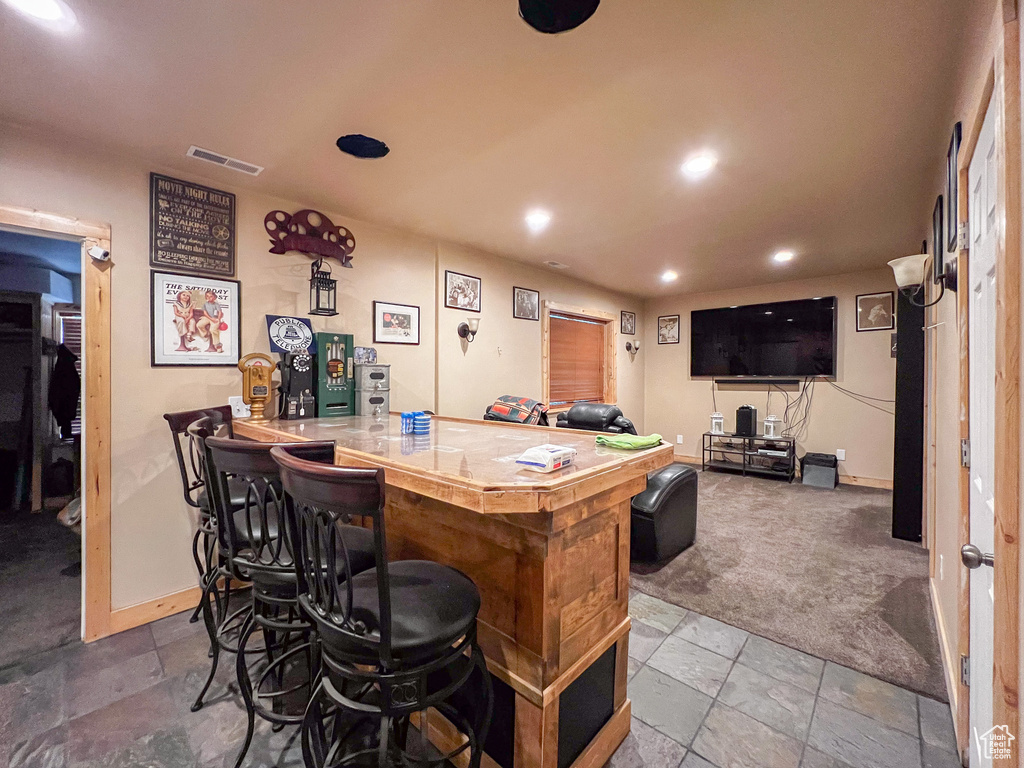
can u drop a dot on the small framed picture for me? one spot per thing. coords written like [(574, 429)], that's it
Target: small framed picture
[(952, 186), (875, 312), (395, 323), (668, 329), (938, 240), (525, 303), (627, 323), (461, 291), (194, 321)]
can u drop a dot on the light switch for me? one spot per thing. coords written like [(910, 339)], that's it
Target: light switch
[(841, 454)]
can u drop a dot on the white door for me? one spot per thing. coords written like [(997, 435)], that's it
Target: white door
[(983, 230)]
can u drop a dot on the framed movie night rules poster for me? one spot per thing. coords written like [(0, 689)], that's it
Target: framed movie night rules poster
[(191, 227)]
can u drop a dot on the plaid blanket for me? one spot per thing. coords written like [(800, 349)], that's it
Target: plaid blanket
[(518, 410)]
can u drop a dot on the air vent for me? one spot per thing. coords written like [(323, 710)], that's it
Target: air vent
[(556, 265), (227, 162)]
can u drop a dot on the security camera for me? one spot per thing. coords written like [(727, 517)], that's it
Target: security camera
[(99, 254)]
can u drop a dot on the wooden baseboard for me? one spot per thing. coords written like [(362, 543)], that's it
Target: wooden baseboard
[(868, 482), (151, 610), (949, 660)]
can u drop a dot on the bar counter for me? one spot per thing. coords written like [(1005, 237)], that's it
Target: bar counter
[(548, 552)]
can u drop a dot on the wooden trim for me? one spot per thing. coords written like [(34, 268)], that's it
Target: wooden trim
[(96, 602), (950, 661), (958, 692), (611, 339), (1006, 617), (866, 482), (151, 610)]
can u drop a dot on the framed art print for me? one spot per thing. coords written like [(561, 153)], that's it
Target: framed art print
[(525, 303), (668, 329), (461, 291), (194, 320), (938, 240), (875, 311), (191, 227), (952, 187), (395, 323), (627, 323)]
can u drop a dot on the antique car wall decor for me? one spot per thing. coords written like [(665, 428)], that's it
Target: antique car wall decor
[(309, 232)]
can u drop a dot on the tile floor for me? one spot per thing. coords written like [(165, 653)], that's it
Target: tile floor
[(709, 695), (704, 695)]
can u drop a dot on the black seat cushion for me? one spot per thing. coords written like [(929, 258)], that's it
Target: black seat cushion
[(237, 486), (281, 582), (432, 606)]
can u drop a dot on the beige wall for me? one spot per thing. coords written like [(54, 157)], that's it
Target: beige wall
[(505, 358), (150, 524), (942, 391), (677, 404)]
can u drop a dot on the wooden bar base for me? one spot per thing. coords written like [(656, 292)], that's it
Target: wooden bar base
[(549, 554)]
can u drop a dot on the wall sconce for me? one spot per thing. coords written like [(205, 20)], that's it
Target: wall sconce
[(468, 328), (323, 290), (632, 348), (911, 272)]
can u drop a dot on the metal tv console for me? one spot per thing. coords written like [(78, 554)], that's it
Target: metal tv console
[(757, 455)]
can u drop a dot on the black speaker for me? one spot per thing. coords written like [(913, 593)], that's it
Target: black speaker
[(554, 16), (908, 463), (746, 421)]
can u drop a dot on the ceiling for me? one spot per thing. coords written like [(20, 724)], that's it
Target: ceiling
[(830, 120), (63, 256)]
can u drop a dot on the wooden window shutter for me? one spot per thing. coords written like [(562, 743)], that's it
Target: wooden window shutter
[(576, 353)]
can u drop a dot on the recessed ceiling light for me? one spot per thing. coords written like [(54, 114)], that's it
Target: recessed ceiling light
[(734, 306), (537, 220), (52, 14), (556, 265), (789, 319), (669, 275), (699, 165), (768, 312), (783, 256)]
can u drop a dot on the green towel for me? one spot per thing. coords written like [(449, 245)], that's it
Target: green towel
[(629, 442)]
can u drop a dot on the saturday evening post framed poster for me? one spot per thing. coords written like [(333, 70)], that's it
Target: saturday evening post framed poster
[(194, 320)]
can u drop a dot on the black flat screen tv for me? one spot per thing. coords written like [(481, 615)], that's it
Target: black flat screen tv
[(785, 339)]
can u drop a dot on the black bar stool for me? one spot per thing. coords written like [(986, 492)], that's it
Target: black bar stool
[(395, 640), (223, 624), (259, 548), (193, 483)]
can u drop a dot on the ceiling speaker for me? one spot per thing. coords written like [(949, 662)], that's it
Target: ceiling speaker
[(554, 16)]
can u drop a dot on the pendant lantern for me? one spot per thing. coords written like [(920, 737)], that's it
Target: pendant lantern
[(323, 290)]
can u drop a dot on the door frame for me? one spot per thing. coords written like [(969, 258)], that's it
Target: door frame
[(1002, 82), (96, 454)]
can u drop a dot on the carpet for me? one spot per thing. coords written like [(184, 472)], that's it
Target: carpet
[(813, 569), (40, 584)]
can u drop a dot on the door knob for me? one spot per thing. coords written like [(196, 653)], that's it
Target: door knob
[(973, 557)]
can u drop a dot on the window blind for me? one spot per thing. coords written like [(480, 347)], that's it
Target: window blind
[(576, 360), (70, 335)]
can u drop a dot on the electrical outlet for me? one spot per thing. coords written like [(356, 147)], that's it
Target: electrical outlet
[(841, 454), (941, 569), (679, 439)]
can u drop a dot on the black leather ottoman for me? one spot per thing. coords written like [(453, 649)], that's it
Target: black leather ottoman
[(664, 517)]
